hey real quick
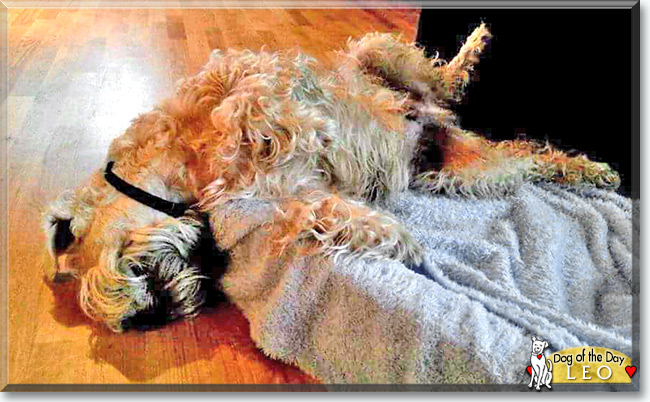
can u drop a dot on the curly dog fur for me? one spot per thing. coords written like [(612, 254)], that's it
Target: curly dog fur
[(304, 155)]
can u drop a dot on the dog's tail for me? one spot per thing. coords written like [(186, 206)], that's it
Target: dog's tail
[(550, 365)]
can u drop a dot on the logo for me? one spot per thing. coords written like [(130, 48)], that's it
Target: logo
[(592, 365), (540, 372), (579, 365)]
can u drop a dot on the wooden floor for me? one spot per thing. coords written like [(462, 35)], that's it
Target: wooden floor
[(76, 79)]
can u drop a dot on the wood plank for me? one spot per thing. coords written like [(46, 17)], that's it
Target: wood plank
[(77, 78), (48, 14)]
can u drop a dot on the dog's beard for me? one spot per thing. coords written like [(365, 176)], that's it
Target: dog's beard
[(150, 280)]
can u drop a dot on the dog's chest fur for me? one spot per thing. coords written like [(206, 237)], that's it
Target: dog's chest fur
[(359, 146)]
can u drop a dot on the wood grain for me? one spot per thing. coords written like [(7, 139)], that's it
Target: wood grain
[(76, 78)]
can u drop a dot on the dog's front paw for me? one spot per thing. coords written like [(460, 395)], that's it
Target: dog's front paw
[(378, 236)]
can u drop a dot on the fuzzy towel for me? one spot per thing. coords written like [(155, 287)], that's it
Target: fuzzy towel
[(547, 261)]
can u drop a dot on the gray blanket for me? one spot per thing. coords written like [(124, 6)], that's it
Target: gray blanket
[(548, 261)]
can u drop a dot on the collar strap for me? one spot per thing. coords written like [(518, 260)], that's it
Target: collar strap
[(175, 209)]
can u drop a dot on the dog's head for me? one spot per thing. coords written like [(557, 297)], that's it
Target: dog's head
[(128, 258), (539, 346), (123, 252), (131, 261)]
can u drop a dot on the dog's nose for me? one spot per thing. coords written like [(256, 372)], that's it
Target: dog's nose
[(63, 277)]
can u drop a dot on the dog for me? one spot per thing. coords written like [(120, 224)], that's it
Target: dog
[(308, 155), (540, 370)]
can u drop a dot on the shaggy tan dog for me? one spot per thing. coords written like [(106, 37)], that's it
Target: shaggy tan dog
[(305, 156)]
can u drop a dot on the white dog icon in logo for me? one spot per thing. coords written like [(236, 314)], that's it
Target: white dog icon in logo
[(538, 369)]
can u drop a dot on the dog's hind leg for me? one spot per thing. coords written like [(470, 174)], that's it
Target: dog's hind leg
[(475, 166), (406, 67), (549, 374)]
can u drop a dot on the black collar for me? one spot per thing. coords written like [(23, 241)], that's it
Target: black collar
[(175, 209)]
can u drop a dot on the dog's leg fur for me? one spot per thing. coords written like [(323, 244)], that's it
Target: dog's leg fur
[(474, 166), (324, 223), (343, 228), (406, 67)]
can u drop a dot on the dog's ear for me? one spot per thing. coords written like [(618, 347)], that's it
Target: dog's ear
[(545, 345), (108, 295), (534, 339)]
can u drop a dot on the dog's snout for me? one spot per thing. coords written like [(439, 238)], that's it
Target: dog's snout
[(62, 270)]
